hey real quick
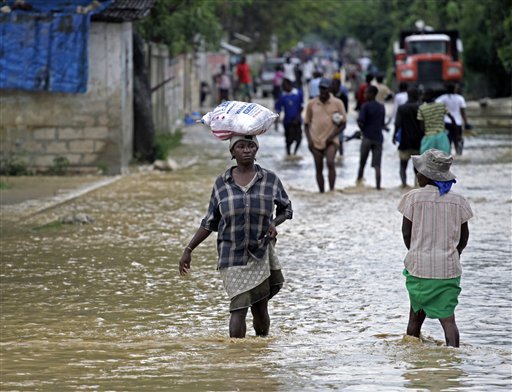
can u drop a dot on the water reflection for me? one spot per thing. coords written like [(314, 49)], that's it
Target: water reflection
[(432, 369)]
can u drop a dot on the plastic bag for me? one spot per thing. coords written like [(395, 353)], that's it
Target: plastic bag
[(239, 118)]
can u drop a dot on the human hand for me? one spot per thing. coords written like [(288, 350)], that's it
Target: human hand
[(184, 265), (271, 232)]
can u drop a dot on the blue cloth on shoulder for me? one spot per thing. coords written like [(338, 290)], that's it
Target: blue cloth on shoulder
[(444, 186)]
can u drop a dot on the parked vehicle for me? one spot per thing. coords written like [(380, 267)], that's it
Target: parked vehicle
[(428, 59), (268, 70)]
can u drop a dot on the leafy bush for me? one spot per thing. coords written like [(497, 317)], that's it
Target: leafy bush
[(166, 142), (13, 166), (60, 166)]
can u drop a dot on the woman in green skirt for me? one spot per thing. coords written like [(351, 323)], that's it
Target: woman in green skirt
[(435, 230)]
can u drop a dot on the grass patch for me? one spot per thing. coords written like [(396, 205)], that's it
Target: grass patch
[(5, 185), (166, 142), (55, 225)]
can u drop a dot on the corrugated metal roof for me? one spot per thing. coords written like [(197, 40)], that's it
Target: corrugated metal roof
[(125, 11)]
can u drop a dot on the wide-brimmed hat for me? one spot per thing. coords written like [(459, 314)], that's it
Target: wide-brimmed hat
[(237, 138), (434, 164)]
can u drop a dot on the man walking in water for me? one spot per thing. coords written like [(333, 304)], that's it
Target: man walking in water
[(322, 130), (371, 121), (291, 102), (408, 132)]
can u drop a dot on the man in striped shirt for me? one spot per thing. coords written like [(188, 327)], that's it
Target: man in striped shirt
[(435, 231), (431, 115)]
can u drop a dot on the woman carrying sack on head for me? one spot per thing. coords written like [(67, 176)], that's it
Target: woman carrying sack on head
[(241, 211)]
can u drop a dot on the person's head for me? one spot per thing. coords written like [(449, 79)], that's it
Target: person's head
[(428, 95), (369, 78), (287, 85), (223, 68), (243, 148), (288, 60), (450, 88), (370, 93), (413, 95), (335, 85), (317, 73), (324, 86), (380, 78), (242, 60), (433, 165), (402, 87)]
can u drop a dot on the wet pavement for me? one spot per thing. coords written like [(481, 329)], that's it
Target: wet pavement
[(102, 307)]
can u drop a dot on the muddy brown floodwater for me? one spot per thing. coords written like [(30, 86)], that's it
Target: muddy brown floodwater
[(102, 307)]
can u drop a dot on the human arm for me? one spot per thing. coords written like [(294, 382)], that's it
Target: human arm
[(338, 126), (361, 117), (307, 122), (284, 210), (464, 236), (278, 106), (200, 235), (308, 137), (452, 119), (464, 118), (406, 231), (398, 125)]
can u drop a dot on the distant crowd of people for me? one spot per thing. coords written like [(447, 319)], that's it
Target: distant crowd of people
[(421, 120)]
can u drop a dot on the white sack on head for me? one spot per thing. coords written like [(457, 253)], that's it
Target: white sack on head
[(239, 118)]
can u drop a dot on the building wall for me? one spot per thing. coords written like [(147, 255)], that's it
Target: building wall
[(92, 130), (175, 83)]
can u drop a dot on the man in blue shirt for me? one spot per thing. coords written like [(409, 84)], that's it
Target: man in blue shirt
[(371, 120), (291, 102)]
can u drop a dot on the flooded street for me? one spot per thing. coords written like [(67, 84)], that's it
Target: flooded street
[(102, 307)]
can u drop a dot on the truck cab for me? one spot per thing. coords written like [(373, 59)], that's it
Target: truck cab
[(428, 59)]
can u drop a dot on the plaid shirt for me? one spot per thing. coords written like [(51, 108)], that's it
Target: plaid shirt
[(242, 218)]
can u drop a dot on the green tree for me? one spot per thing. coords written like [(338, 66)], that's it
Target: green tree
[(183, 25), (485, 28)]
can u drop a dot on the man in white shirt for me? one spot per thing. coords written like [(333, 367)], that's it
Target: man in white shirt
[(456, 105), (289, 69)]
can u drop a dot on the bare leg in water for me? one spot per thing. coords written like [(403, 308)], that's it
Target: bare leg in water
[(451, 332), (237, 327), (261, 319), (415, 323), (318, 156), (330, 155)]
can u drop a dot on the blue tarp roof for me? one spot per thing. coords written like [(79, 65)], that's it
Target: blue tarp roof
[(45, 48), (61, 6)]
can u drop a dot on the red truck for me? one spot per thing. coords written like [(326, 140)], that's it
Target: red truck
[(428, 59)]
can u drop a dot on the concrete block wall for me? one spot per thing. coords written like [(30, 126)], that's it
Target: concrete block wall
[(91, 130)]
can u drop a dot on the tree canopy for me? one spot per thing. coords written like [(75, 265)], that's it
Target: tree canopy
[(485, 28)]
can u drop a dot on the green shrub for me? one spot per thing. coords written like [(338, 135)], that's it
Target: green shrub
[(166, 142), (5, 185), (13, 166), (60, 166)]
